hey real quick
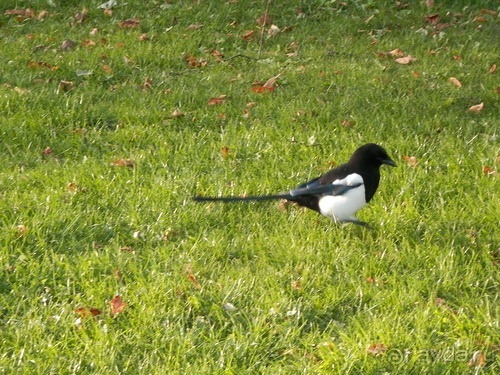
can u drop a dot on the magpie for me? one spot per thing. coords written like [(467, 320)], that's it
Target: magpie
[(339, 193)]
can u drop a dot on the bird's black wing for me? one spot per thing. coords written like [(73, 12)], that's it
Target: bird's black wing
[(316, 187)]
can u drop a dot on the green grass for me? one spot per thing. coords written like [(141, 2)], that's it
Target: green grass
[(417, 293)]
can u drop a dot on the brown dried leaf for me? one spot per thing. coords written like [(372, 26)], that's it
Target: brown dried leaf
[(215, 101), (478, 359), (493, 68), (143, 37), (68, 44), (263, 20), (177, 114), (86, 312), (224, 152), (195, 26), (455, 81), (433, 19), (124, 163), (405, 60), (488, 171), (477, 108), (81, 16), (47, 151), (248, 35), (42, 15), (411, 160), (22, 230), (117, 305), (130, 23), (377, 349), (396, 53)]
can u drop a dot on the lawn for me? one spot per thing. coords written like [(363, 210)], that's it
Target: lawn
[(112, 119)]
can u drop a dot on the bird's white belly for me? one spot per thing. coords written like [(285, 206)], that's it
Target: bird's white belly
[(344, 207)]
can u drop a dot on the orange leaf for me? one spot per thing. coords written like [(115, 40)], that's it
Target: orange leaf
[(215, 101), (124, 163), (377, 349), (224, 152), (455, 81), (478, 359), (107, 69), (193, 280), (117, 305), (131, 23), (405, 60), (477, 108), (248, 35), (488, 171), (86, 312), (411, 160)]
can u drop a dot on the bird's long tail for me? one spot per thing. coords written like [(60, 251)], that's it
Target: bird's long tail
[(242, 199)]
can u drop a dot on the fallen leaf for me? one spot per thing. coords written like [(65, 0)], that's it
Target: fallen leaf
[(405, 60), (124, 163), (42, 15), (195, 62), (493, 68), (195, 26), (271, 82), (488, 12), (224, 152), (415, 74), (117, 305), (147, 84), (248, 35), (72, 187), (193, 280), (128, 249), (229, 307), (455, 81), (477, 108), (348, 124), (273, 30), (457, 58), (85, 312), (22, 230), (107, 5), (47, 151), (107, 69), (176, 114), (216, 101), (432, 19), (377, 349), (263, 20), (411, 160), (130, 23), (81, 16), (429, 3), (108, 12), (26, 13), (396, 53), (488, 171), (478, 359)]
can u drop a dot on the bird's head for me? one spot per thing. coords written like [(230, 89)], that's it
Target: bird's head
[(371, 154)]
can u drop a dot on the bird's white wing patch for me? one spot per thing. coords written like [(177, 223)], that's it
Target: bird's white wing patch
[(344, 207)]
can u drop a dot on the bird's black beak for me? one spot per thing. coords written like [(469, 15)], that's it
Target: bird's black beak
[(390, 162)]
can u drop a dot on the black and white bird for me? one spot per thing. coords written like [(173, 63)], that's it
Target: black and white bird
[(339, 193)]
